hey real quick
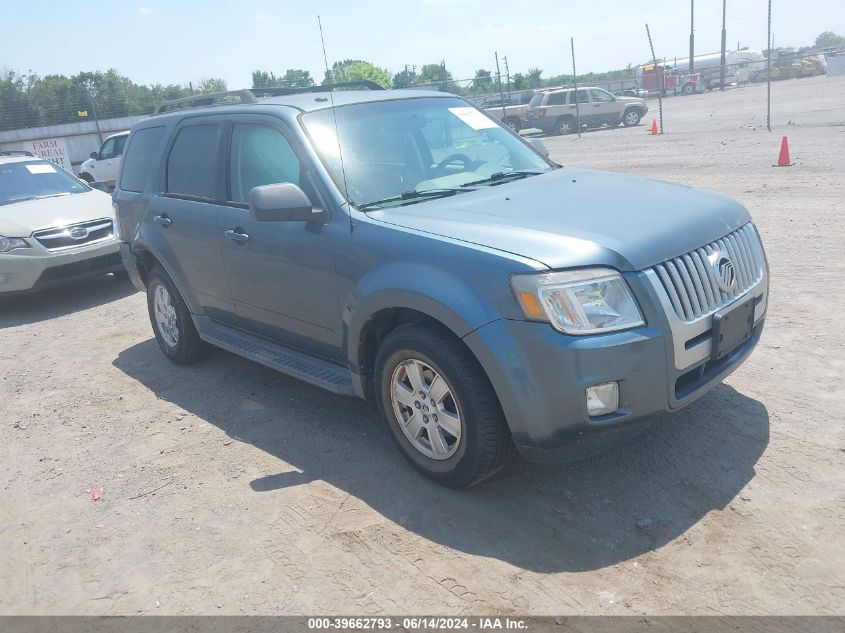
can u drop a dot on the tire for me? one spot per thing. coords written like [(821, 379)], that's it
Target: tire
[(475, 443), (565, 125), (513, 124), (631, 118), (86, 177), (688, 89), (184, 346)]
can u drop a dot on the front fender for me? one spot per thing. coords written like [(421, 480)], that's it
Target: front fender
[(426, 288)]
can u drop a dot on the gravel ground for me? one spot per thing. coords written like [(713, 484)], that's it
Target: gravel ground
[(227, 488)]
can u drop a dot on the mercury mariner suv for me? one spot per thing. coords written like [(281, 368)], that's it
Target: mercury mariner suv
[(404, 247), (53, 227)]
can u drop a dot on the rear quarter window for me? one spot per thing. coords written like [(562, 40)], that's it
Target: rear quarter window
[(139, 158)]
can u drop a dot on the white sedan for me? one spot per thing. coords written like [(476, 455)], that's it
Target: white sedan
[(53, 227)]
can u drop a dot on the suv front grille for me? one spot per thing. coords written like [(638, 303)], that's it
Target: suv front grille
[(690, 280), (61, 238)]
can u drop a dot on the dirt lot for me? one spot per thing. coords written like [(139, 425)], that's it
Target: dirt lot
[(228, 488)]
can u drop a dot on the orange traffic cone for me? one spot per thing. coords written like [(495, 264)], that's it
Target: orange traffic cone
[(783, 157), (654, 127)]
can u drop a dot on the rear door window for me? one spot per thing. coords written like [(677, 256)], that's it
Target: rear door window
[(139, 159), (557, 98), (192, 163), (583, 97)]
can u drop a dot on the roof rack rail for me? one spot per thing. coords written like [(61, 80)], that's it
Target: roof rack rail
[(253, 94), (206, 99), (283, 91), (16, 152)]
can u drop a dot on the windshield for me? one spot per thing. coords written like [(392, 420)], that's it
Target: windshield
[(391, 149), (31, 179)]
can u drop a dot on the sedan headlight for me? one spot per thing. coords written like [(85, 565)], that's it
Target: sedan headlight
[(587, 301), (11, 243)]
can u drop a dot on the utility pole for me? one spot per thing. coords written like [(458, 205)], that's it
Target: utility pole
[(769, 74), (507, 73), (724, 44), (499, 81), (662, 75), (575, 85), (691, 34)]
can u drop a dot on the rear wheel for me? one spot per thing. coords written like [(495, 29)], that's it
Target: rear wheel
[(565, 125), (688, 89), (631, 118), (86, 177), (172, 323), (513, 124), (440, 407)]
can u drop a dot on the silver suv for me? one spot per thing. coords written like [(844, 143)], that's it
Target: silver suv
[(554, 111)]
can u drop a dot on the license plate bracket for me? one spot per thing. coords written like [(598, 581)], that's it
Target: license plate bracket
[(732, 326)]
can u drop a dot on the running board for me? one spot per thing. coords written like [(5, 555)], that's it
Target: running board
[(315, 371)]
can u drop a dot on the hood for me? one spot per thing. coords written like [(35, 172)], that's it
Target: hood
[(576, 217), (637, 100), (21, 219)]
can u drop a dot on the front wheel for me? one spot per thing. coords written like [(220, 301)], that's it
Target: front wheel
[(440, 407), (688, 89), (172, 323), (631, 118)]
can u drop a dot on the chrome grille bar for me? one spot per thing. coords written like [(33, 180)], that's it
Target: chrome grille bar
[(690, 281)]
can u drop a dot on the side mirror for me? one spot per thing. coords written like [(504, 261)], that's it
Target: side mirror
[(93, 155), (282, 202), (540, 146)]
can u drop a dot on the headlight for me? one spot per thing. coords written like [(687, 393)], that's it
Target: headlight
[(588, 301), (11, 243)]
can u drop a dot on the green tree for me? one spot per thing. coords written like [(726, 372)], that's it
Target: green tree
[(534, 77), (482, 82), (519, 81), (210, 84), (830, 39), (297, 78), (357, 70), (293, 78), (264, 79), (405, 78)]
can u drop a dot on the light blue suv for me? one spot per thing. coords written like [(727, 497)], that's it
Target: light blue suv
[(404, 247)]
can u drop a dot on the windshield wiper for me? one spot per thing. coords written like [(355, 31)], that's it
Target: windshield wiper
[(501, 176), (46, 195), (409, 197)]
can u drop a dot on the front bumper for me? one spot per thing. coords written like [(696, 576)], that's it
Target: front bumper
[(541, 377), (30, 270)]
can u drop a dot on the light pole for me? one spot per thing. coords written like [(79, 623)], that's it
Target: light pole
[(691, 34), (724, 43)]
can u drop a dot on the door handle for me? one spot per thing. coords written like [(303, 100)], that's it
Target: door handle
[(163, 220), (236, 235)]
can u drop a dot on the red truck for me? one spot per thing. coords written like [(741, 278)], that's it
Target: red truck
[(657, 78)]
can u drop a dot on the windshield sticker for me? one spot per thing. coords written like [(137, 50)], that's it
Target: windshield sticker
[(473, 118), (41, 169)]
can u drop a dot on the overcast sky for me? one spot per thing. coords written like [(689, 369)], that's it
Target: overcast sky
[(175, 42)]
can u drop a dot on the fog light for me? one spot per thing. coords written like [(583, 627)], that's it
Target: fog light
[(602, 399)]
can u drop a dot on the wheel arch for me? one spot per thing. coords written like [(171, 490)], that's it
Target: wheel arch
[(381, 304)]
